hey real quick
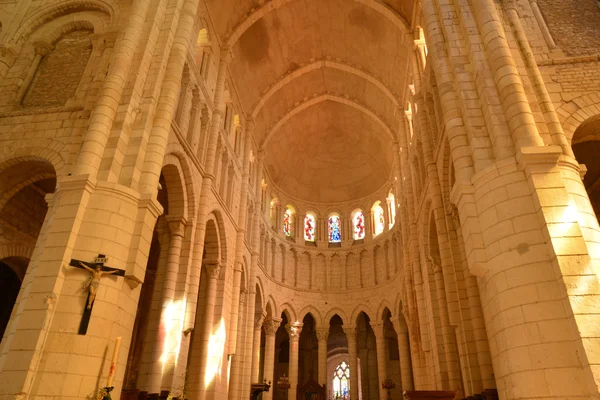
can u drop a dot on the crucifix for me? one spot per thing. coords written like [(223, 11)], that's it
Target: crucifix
[(97, 269)]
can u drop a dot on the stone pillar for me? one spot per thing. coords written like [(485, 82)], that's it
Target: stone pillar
[(235, 306), (352, 361), (195, 128), (236, 375), (163, 364), (256, 348), (379, 330), (107, 104), (185, 108), (212, 273), (507, 77), (50, 302), (41, 49), (294, 330), (270, 326), (322, 336), (404, 352)]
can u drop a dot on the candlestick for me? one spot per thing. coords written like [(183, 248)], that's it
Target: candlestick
[(113, 364)]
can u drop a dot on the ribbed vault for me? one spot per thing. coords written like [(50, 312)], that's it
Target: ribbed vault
[(322, 80)]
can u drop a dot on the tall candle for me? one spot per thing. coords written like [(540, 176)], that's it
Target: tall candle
[(113, 364)]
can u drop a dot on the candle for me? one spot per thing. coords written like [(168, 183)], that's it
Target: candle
[(113, 364)]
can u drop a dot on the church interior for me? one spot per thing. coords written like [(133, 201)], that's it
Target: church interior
[(299, 199)]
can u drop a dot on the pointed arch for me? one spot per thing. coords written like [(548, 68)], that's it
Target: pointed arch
[(361, 308), (319, 98), (314, 313), (260, 12), (384, 305), (289, 311), (333, 312), (288, 77)]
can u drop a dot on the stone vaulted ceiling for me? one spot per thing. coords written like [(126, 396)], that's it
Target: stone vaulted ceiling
[(323, 80)]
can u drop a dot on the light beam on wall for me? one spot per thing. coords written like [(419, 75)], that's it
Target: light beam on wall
[(173, 319), (216, 347)]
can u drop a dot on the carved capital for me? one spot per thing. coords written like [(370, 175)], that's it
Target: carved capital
[(294, 331), (239, 267), (510, 4), (378, 330), (322, 334), (350, 332), (176, 225), (271, 326), (258, 323), (42, 48), (243, 297), (213, 270), (399, 326)]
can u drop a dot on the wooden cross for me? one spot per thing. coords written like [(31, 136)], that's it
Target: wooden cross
[(97, 269)]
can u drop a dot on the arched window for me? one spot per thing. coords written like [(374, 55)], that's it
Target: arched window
[(391, 200), (309, 227), (335, 229), (378, 219), (341, 381), (288, 217), (358, 222)]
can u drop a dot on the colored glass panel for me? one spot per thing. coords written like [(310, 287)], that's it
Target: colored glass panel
[(287, 222), (359, 225), (341, 381), (335, 229), (309, 228)]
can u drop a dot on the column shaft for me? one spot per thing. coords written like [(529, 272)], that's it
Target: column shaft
[(353, 362), (322, 336), (379, 331), (256, 355), (163, 363), (271, 326), (294, 333), (213, 271)]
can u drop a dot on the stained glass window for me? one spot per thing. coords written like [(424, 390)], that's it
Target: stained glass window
[(335, 229), (287, 222), (359, 225), (341, 381), (309, 228), (392, 208), (378, 219)]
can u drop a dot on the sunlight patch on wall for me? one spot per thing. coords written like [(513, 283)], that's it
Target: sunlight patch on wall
[(216, 347)]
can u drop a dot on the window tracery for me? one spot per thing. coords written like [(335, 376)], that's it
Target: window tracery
[(287, 222), (335, 229), (358, 222), (341, 381), (309, 228)]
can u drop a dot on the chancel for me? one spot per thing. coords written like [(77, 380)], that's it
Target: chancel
[(299, 199)]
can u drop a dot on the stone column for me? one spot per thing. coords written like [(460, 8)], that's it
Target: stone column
[(322, 336), (195, 128), (507, 76), (379, 330), (236, 375), (270, 326), (352, 361), (256, 348), (103, 115), (185, 108), (163, 363), (212, 273), (41, 49), (294, 330), (404, 352)]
